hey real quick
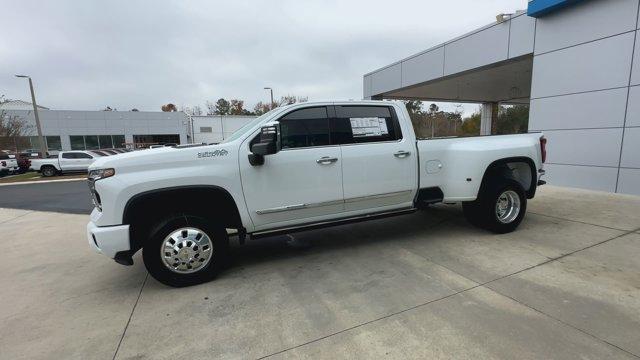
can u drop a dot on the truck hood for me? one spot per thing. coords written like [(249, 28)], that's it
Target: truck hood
[(150, 159)]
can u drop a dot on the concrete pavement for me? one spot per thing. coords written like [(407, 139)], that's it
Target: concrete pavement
[(566, 284)]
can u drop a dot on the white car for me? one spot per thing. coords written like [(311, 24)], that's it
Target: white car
[(66, 162), (295, 168), (8, 163)]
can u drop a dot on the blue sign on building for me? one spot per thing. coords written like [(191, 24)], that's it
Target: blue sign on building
[(538, 8)]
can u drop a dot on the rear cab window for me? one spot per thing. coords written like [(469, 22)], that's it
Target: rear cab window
[(355, 124)]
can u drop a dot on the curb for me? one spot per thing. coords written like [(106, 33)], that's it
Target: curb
[(42, 182)]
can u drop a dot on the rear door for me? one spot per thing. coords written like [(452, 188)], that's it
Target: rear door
[(83, 161), (68, 161), (378, 163), (300, 183)]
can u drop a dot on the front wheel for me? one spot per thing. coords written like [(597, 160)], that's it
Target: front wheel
[(499, 208), (185, 250)]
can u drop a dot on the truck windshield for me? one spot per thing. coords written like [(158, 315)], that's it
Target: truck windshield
[(248, 126)]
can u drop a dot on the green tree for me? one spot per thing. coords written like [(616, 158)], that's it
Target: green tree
[(470, 125), (513, 119), (222, 107), (414, 107)]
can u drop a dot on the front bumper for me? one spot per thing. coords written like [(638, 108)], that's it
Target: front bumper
[(108, 240)]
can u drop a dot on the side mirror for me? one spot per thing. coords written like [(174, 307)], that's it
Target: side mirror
[(267, 145)]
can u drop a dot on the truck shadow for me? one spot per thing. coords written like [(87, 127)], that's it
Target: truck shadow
[(422, 224)]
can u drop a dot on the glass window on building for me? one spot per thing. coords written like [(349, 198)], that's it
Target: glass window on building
[(105, 141), (206, 129), (77, 142), (91, 142), (34, 142), (53, 143), (118, 141)]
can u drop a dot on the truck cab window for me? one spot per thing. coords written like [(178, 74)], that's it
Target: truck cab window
[(305, 128), (363, 124)]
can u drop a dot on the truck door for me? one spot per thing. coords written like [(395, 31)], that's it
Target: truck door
[(379, 166), (68, 161), (84, 160), (300, 183)]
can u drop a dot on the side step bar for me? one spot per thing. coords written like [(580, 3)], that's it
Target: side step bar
[(320, 225)]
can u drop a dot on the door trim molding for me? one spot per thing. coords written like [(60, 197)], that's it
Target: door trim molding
[(332, 202)]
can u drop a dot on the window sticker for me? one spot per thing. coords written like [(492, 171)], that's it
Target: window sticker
[(368, 127)]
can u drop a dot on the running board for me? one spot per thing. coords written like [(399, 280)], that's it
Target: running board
[(324, 224)]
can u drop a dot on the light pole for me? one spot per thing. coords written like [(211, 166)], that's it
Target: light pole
[(43, 146), (271, 90)]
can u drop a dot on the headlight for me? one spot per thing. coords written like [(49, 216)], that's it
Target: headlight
[(101, 174)]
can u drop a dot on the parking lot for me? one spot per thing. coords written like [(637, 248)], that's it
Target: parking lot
[(566, 284)]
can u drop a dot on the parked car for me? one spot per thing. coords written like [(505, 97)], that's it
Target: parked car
[(66, 162), (296, 168), (8, 164), (99, 152)]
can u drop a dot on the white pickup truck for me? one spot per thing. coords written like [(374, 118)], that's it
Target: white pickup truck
[(8, 163), (66, 162), (295, 168)]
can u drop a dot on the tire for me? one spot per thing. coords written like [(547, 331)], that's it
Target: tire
[(187, 250), (48, 171), (487, 214)]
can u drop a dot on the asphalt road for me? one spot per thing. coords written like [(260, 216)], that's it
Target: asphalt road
[(66, 197)]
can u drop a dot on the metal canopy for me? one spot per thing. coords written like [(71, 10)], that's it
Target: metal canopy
[(506, 82)]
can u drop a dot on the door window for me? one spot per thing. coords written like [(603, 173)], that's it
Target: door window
[(363, 124), (68, 156), (305, 128), (83, 156)]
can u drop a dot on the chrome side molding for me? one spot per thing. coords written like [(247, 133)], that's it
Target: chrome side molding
[(332, 202)]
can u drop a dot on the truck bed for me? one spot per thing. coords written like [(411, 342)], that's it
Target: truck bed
[(456, 165)]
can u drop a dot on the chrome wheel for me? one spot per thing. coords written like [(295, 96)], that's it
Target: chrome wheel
[(186, 250), (508, 206)]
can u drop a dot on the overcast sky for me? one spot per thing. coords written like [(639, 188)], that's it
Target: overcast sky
[(86, 55)]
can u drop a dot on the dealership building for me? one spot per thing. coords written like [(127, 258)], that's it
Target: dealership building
[(575, 62), (86, 130)]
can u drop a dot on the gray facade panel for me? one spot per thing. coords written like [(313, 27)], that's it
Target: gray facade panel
[(479, 49), (599, 147), (521, 36), (597, 65), (386, 79), (366, 86), (633, 107), (585, 177), (585, 21), (423, 67), (631, 148), (578, 111), (629, 181), (635, 74)]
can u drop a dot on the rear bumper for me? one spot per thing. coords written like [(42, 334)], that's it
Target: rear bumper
[(541, 172), (108, 240)]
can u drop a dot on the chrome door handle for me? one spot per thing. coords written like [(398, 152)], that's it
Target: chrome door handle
[(402, 154), (325, 160)]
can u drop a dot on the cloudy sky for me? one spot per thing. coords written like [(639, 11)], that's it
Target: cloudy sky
[(87, 55)]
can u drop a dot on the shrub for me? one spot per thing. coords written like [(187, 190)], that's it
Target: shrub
[(23, 164)]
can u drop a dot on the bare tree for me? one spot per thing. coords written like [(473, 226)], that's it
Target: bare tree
[(13, 132)]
